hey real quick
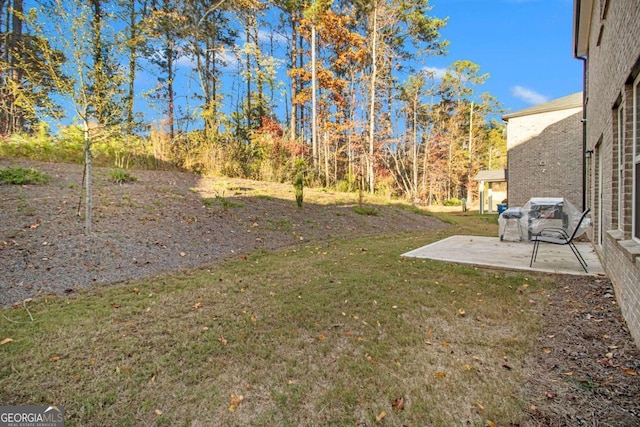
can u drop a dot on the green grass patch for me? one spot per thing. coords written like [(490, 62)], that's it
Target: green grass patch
[(322, 334), (226, 203), (365, 210), (16, 175), (223, 202), (121, 176)]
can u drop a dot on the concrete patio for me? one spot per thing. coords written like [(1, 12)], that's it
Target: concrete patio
[(491, 252)]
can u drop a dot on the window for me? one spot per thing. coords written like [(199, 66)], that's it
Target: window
[(636, 159)]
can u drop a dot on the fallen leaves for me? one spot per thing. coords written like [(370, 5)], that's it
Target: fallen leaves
[(607, 362), (236, 400), (398, 404), (5, 341), (381, 416)]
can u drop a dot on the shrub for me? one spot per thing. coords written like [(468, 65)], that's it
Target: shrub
[(120, 176), (21, 176), (298, 181), (454, 201)]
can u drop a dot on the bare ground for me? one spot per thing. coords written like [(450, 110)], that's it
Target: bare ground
[(583, 371), (165, 221)]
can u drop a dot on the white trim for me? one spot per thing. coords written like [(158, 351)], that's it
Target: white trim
[(620, 165), (582, 26), (600, 194), (635, 163)]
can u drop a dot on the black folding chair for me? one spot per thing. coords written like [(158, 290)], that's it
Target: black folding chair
[(559, 236)]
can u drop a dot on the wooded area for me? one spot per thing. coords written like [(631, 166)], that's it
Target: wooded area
[(344, 85)]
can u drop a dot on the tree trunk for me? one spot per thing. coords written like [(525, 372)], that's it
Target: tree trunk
[(314, 130), (87, 182), (415, 148), (170, 58), (372, 100), (133, 57), (294, 80), (469, 189), (16, 119), (249, 73)]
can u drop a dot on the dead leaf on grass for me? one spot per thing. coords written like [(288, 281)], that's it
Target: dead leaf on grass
[(197, 305), (236, 400), (630, 372), (6, 340), (54, 358), (398, 403), (381, 416), (158, 412), (439, 375), (490, 424), (370, 359), (222, 340)]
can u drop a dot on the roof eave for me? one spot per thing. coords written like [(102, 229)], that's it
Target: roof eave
[(582, 10)]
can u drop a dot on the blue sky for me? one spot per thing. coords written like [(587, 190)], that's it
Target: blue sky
[(524, 45)]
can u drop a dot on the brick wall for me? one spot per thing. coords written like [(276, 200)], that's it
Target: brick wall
[(613, 61), (545, 157)]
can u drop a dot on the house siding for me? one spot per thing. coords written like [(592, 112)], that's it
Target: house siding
[(612, 62), (545, 156)]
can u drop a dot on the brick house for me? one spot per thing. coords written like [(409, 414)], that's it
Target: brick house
[(607, 38), (544, 151)]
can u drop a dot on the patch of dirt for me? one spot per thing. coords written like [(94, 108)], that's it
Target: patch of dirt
[(164, 222), (584, 371)]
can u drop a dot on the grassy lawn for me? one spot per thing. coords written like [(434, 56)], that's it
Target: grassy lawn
[(324, 334)]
